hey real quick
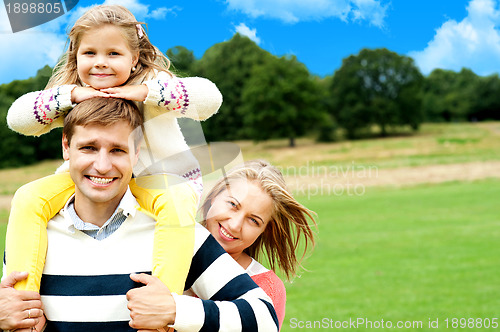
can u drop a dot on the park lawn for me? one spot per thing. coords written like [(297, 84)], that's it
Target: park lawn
[(429, 251), (434, 144), (411, 254)]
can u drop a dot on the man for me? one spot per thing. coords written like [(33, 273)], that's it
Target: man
[(99, 239)]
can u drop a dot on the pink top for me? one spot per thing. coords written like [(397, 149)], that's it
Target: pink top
[(272, 285)]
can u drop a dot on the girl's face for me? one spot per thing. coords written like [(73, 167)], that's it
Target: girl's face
[(104, 59), (239, 215)]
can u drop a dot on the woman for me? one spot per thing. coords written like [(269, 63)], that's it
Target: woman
[(251, 214)]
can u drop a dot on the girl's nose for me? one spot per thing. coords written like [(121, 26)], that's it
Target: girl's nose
[(101, 62)]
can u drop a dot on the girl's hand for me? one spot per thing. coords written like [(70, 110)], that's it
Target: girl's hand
[(130, 92), (81, 93)]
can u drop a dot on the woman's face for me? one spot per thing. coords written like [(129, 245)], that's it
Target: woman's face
[(239, 215)]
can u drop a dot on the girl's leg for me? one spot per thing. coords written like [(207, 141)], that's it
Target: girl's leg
[(174, 206), (33, 205)]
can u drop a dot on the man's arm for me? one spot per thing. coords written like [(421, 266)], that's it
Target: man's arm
[(228, 300)]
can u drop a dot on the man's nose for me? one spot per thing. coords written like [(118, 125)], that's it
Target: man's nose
[(103, 163)]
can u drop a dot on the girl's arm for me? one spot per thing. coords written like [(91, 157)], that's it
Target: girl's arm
[(39, 112), (191, 97)]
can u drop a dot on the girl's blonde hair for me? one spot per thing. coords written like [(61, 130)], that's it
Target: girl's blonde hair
[(150, 58), (289, 219)]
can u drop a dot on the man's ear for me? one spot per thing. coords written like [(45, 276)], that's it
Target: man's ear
[(65, 147)]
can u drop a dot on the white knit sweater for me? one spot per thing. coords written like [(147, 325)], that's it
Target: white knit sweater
[(164, 149)]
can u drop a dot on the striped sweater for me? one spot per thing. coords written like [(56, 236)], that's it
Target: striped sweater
[(85, 281)]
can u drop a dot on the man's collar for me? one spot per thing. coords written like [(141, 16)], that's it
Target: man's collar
[(128, 204)]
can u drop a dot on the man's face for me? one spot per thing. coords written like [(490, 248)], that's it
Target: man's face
[(100, 162)]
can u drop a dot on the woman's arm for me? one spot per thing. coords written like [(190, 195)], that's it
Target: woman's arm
[(228, 298)]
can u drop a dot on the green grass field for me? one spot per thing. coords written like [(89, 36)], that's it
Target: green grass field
[(402, 255), (395, 254)]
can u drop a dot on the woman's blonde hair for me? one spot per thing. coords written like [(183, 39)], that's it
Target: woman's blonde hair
[(150, 58), (289, 219)]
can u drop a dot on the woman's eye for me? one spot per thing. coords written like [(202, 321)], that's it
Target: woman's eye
[(232, 203), (254, 221)]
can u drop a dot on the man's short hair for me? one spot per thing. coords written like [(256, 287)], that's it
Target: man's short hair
[(105, 112)]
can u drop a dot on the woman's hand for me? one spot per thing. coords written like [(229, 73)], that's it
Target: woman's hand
[(81, 93), (129, 92)]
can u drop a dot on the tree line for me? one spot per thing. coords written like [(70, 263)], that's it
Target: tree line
[(267, 97)]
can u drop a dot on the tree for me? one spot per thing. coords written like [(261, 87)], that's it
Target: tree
[(377, 87), (448, 95), (181, 59), (17, 149), (229, 65), (487, 106), (280, 99)]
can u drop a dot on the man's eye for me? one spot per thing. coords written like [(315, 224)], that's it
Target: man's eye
[(88, 148), (118, 150)]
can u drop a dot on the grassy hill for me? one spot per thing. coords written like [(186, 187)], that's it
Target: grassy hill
[(414, 242)]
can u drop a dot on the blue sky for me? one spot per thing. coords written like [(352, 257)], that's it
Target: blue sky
[(448, 34)]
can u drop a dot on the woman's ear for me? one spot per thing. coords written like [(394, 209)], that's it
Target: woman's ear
[(65, 147)]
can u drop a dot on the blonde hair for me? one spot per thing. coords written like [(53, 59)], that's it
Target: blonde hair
[(289, 219), (150, 58)]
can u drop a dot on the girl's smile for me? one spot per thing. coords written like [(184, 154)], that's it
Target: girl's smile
[(104, 59)]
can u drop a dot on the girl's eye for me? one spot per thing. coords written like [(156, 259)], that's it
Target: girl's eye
[(88, 53), (114, 53), (232, 203)]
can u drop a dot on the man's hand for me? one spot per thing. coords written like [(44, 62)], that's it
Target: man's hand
[(19, 309), (81, 93), (129, 92), (152, 307)]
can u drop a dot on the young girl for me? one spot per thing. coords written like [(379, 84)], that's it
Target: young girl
[(251, 214), (110, 55)]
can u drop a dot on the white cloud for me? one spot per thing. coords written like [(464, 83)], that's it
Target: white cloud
[(243, 30), (473, 42), (293, 11), (27, 51)]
